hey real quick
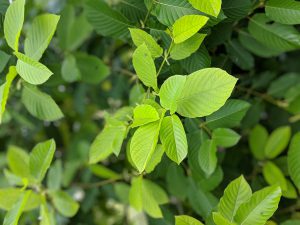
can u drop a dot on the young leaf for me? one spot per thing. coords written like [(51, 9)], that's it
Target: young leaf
[(4, 89), (170, 91), (285, 12), (188, 47), (260, 207), (18, 161), (221, 220), (173, 138), (277, 141), (40, 104), (140, 37), (293, 159), (144, 66), (257, 141), (107, 142), (211, 83), (225, 137), (186, 26), (64, 203), (274, 176), (235, 194), (45, 214), (208, 157), (32, 71), (210, 7), (13, 22), (155, 158), (186, 220), (144, 114), (13, 215), (40, 159), (141, 148), (40, 35)]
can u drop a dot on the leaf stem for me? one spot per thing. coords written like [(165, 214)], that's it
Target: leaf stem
[(147, 15), (165, 58)]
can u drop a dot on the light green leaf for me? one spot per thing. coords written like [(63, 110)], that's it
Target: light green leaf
[(220, 220), (186, 26), (186, 220), (290, 192), (170, 91), (260, 207), (32, 71), (293, 159), (105, 20), (173, 138), (13, 22), (155, 158), (235, 194), (46, 215), (275, 36), (40, 104), (144, 66), (257, 141), (208, 157), (41, 158), (225, 137), (40, 35), (18, 161), (210, 7), (103, 172), (107, 142), (144, 114), (274, 176), (13, 215), (55, 175), (285, 12), (188, 47), (64, 203), (141, 148), (69, 70), (4, 89), (140, 37), (212, 83), (277, 141)]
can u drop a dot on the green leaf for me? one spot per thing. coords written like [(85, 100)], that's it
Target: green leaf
[(140, 37), (220, 220), (105, 20), (293, 159), (208, 157), (235, 194), (141, 148), (176, 181), (186, 220), (290, 192), (210, 7), (236, 9), (69, 70), (4, 58), (260, 207), (47, 217), (18, 161), (291, 222), (13, 22), (170, 92), (32, 71), (144, 66), (145, 195), (173, 138), (274, 176), (55, 175), (285, 12), (41, 158), (104, 172), (64, 203), (155, 158), (275, 36), (13, 215), (40, 35), (277, 141), (107, 142), (144, 114), (225, 137), (92, 69), (257, 141), (211, 83), (188, 47), (186, 26), (40, 104), (4, 89)]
